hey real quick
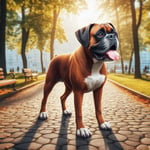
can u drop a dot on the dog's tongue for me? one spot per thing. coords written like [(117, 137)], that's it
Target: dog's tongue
[(114, 55)]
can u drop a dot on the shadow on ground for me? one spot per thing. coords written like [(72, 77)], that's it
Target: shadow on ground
[(62, 142), (110, 144), (27, 139)]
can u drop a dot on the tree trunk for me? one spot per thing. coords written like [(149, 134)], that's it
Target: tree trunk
[(117, 21), (130, 62), (52, 38), (41, 59), (2, 34), (25, 36), (137, 73)]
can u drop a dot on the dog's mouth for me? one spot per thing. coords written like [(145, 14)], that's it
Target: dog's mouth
[(105, 55), (109, 55)]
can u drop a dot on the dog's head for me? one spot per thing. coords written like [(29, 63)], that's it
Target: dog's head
[(101, 41)]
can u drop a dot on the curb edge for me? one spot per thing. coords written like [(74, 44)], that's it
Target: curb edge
[(130, 90)]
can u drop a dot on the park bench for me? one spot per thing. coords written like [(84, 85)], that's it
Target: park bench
[(147, 75), (6, 82), (29, 75)]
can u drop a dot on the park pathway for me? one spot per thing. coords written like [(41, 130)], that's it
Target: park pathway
[(20, 129)]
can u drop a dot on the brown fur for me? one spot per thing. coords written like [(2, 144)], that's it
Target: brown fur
[(72, 70)]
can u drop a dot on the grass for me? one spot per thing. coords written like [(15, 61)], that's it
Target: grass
[(140, 85), (20, 81)]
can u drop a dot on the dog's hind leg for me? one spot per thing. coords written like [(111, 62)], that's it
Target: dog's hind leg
[(63, 100), (47, 89)]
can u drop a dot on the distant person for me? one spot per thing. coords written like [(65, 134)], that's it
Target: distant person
[(18, 69)]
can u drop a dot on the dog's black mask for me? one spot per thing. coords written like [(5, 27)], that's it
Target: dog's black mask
[(105, 41)]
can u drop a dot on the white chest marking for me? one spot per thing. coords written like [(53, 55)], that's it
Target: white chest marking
[(95, 80)]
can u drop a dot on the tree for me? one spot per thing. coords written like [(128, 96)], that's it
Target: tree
[(57, 6), (118, 13), (42, 26), (144, 31), (40, 18), (2, 34), (118, 27), (135, 26), (22, 9)]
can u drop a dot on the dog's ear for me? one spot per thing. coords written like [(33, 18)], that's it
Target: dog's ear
[(83, 35), (112, 26)]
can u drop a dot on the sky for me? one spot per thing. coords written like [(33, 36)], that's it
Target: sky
[(73, 22)]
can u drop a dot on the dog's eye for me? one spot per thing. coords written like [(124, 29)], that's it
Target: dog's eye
[(100, 34)]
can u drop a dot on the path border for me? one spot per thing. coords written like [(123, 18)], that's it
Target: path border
[(141, 95), (2, 97)]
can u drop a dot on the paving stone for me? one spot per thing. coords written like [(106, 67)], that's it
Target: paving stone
[(23, 140), (34, 146), (145, 140), (25, 146), (51, 135), (146, 123), (68, 147), (7, 140), (17, 134), (117, 137), (142, 147), (71, 136), (124, 146), (5, 135), (147, 135), (144, 129), (97, 142), (132, 143), (20, 129), (86, 147), (96, 136), (59, 141), (6, 146), (48, 147), (73, 142), (125, 132), (42, 140)]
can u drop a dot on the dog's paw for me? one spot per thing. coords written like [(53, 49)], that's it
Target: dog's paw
[(83, 132), (43, 116), (105, 126), (67, 112)]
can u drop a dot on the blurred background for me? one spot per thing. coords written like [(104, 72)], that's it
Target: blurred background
[(32, 32)]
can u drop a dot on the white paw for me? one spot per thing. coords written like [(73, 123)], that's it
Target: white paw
[(105, 126), (67, 112), (43, 115), (83, 132)]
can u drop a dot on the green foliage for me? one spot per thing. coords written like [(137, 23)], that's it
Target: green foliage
[(122, 23), (144, 31), (123, 8), (38, 18)]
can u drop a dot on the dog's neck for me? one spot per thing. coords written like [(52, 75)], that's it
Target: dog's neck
[(85, 60)]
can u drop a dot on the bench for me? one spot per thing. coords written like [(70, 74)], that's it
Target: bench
[(29, 75), (147, 75), (5, 82)]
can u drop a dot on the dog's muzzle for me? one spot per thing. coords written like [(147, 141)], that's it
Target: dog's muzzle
[(105, 50)]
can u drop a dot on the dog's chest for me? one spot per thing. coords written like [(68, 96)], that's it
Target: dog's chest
[(95, 80)]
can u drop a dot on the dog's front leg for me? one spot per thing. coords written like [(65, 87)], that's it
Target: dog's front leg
[(81, 130), (98, 109)]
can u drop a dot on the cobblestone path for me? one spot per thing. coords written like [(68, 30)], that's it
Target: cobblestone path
[(20, 129)]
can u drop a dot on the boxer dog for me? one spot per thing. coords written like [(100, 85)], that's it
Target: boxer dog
[(83, 71)]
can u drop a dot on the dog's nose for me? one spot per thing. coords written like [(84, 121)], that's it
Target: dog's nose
[(111, 36)]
